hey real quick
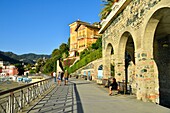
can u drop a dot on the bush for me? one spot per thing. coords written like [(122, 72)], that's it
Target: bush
[(85, 60)]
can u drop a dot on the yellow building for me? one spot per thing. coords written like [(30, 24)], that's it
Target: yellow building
[(82, 35)]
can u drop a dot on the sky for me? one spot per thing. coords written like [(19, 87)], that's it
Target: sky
[(40, 26)]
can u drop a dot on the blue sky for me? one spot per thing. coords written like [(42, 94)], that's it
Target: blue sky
[(40, 26)]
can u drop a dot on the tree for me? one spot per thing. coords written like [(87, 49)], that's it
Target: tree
[(98, 44), (20, 69), (107, 8), (63, 48), (32, 71), (49, 66), (65, 55), (28, 67), (39, 65), (56, 52)]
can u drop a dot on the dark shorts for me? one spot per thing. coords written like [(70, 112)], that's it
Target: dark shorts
[(66, 78)]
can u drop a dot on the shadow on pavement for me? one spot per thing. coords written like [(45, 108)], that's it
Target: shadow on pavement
[(83, 83), (78, 100), (62, 99)]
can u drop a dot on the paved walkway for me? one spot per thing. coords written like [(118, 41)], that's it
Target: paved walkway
[(81, 96)]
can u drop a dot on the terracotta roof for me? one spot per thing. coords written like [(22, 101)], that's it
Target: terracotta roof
[(85, 24)]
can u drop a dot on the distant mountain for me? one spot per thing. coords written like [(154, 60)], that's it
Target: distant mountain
[(26, 58), (9, 59)]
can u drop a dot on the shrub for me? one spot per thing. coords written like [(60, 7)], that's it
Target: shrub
[(85, 60)]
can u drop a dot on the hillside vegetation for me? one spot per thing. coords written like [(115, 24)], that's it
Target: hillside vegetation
[(88, 55), (26, 58)]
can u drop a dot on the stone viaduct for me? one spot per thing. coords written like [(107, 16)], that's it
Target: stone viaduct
[(136, 40)]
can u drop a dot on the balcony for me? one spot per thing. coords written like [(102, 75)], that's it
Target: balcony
[(81, 37), (94, 36), (116, 9), (80, 46)]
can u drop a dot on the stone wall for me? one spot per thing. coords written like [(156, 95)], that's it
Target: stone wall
[(92, 66), (138, 21)]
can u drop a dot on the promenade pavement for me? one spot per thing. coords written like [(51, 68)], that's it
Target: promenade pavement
[(81, 96)]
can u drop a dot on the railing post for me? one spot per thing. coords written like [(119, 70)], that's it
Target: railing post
[(11, 103), (43, 87), (48, 83), (14, 105), (21, 100), (40, 87), (32, 94), (37, 92), (7, 106), (34, 91), (28, 96)]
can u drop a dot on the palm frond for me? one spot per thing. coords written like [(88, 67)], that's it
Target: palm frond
[(107, 8)]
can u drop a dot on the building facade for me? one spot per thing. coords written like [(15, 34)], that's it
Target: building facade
[(6, 69), (82, 35), (136, 40)]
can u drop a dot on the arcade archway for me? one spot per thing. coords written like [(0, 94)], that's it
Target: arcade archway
[(109, 61), (161, 54), (127, 51)]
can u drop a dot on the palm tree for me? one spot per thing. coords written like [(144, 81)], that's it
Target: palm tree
[(107, 8)]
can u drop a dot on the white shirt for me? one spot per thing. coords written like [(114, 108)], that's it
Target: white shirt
[(54, 74)]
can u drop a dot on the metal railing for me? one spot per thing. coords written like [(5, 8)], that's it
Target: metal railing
[(14, 100)]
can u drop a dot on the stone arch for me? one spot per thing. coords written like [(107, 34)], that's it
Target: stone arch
[(109, 49), (156, 46), (100, 71), (126, 59), (123, 42), (108, 59)]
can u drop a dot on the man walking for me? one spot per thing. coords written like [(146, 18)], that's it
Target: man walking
[(66, 78), (54, 76)]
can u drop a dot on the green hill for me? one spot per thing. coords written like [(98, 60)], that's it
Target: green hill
[(9, 59), (26, 58)]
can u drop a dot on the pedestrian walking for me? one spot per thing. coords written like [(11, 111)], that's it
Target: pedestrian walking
[(113, 87), (62, 76), (66, 77), (54, 76), (59, 78)]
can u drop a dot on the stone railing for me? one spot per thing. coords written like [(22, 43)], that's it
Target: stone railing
[(14, 100)]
